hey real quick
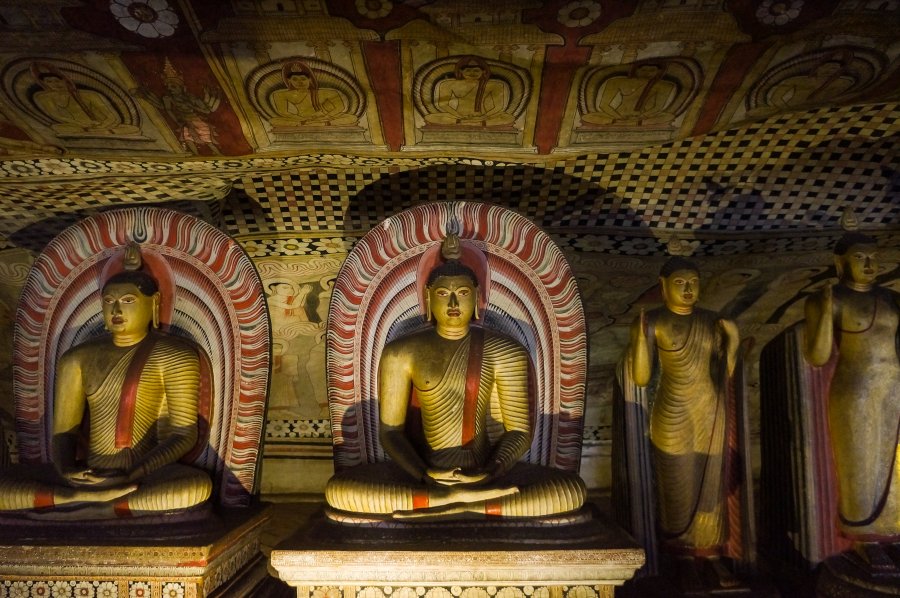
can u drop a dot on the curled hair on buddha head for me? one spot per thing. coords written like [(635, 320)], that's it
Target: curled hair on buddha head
[(451, 268), (132, 261), (145, 283), (850, 239), (674, 264)]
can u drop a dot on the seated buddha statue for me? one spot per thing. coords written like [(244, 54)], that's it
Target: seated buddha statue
[(452, 453), (141, 390)]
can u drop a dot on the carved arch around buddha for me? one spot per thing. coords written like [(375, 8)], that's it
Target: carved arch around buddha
[(532, 297), (211, 294)]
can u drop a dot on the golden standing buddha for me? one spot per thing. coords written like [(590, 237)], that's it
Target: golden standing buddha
[(856, 323), (695, 353)]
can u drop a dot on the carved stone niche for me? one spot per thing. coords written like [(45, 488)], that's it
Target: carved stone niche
[(526, 292), (211, 298)]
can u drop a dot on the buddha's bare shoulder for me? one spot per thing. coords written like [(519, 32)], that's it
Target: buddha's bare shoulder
[(502, 342), (88, 348), (170, 343), (412, 342)]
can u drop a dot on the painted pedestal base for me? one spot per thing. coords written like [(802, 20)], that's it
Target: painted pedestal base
[(458, 560), (847, 575), (216, 555)]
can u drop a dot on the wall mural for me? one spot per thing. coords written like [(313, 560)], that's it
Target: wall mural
[(298, 288)]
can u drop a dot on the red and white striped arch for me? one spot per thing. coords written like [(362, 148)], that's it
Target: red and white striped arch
[(217, 301), (532, 297)]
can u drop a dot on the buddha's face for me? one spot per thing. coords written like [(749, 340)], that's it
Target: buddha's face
[(298, 81), (472, 71), (126, 310), (53, 83), (859, 264), (452, 301), (681, 289), (282, 288), (828, 69), (646, 71)]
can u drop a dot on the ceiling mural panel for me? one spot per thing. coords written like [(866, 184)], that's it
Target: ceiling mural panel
[(181, 79), (698, 117)]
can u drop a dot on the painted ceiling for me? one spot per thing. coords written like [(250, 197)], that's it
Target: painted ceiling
[(666, 119)]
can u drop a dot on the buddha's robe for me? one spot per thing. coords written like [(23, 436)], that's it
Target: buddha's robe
[(685, 479), (450, 430), (687, 431), (864, 418), (151, 428)]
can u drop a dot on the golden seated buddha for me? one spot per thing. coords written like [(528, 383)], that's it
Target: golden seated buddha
[(455, 419), (141, 389)]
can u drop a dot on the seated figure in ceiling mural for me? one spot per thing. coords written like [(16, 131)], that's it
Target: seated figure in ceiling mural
[(681, 367), (642, 97), (436, 389), (75, 111), (813, 80), (142, 390), (471, 98), (852, 330), (829, 80), (304, 104)]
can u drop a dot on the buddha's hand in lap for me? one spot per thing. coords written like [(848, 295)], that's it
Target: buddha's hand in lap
[(456, 476), (88, 478)]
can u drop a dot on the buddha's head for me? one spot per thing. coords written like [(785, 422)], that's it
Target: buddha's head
[(473, 68), (647, 71), (451, 291), (856, 259), (297, 75), (130, 305), (679, 280)]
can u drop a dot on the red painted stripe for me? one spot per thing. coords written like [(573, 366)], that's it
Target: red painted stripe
[(383, 64), (473, 381), (554, 87), (728, 78), (128, 398), (121, 508), (43, 499), (420, 500)]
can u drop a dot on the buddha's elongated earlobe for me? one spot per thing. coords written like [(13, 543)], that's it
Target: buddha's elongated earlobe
[(427, 306), (155, 310), (475, 315)]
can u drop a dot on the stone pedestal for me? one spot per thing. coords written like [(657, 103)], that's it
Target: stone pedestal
[(582, 558), (213, 554)]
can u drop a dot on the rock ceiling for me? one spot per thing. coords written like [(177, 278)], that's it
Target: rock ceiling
[(725, 120)]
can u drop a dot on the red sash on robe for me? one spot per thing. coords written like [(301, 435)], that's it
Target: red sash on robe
[(128, 397)]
